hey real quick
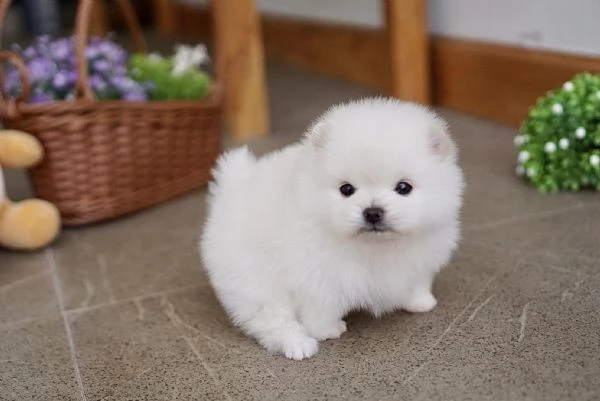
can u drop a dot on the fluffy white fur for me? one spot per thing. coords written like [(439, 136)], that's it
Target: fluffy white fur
[(289, 256)]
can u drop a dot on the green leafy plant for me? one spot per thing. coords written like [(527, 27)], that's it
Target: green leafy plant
[(559, 142), (191, 84)]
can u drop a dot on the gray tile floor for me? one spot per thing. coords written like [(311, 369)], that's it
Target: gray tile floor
[(122, 311)]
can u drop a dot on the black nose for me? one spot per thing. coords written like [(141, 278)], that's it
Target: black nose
[(373, 215)]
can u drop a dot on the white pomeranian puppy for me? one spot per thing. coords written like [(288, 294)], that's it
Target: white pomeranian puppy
[(359, 215)]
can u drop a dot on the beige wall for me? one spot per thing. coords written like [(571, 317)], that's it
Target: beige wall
[(562, 25)]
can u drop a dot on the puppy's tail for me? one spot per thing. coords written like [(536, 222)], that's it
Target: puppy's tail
[(233, 168)]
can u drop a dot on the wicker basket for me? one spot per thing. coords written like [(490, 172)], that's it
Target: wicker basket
[(105, 159)]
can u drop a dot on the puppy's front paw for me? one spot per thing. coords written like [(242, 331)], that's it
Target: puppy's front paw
[(299, 347), (327, 331), (421, 302)]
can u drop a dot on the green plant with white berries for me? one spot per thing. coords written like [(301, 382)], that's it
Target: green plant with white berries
[(559, 142)]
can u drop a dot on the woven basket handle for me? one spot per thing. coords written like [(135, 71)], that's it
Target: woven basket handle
[(23, 73), (82, 24), (8, 107)]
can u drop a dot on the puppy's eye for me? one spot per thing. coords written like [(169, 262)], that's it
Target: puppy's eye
[(347, 190), (403, 188)]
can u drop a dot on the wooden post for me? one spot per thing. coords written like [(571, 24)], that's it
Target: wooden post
[(100, 19), (409, 49), (240, 65), (164, 16)]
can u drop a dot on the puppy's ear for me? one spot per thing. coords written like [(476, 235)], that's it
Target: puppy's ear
[(440, 141), (316, 133)]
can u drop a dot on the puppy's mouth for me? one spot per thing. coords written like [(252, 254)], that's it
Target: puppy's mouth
[(375, 229)]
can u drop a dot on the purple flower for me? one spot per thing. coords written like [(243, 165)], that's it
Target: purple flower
[(122, 56), (120, 70), (71, 77), (97, 83), (61, 49), (42, 45), (40, 70), (101, 66), (112, 51), (29, 53), (91, 52), (106, 47), (118, 81), (124, 84), (117, 55), (12, 81), (135, 96), (53, 73), (41, 97), (60, 81), (129, 89), (43, 39), (12, 89)]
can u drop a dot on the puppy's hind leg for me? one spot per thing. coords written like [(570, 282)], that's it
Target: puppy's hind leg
[(321, 323), (276, 328)]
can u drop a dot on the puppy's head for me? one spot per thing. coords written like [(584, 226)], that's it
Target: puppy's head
[(380, 168)]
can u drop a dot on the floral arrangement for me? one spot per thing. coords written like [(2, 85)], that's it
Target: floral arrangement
[(559, 142), (178, 77), (113, 73)]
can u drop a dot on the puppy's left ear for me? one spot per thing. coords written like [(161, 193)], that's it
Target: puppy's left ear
[(440, 141), (316, 133)]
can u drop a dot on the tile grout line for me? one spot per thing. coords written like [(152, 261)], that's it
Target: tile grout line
[(71, 312), (206, 367), (450, 327), (17, 283), (141, 297), (61, 305)]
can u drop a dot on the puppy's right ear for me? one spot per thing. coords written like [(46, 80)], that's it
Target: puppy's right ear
[(440, 140), (316, 133)]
